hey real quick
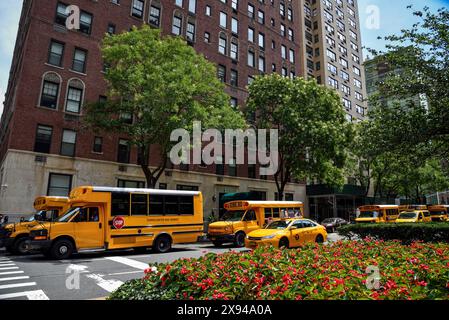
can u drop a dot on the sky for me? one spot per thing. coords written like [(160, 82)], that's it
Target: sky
[(377, 18)]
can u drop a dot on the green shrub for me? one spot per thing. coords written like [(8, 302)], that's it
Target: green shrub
[(313, 272), (405, 232)]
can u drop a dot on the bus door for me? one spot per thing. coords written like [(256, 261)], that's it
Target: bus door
[(89, 227), (250, 221)]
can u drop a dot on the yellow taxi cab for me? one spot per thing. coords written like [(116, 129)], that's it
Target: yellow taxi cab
[(439, 212), (287, 233), (243, 217), (14, 235), (414, 216), (377, 214)]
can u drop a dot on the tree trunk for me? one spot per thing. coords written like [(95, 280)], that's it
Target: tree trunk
[(151, 176)]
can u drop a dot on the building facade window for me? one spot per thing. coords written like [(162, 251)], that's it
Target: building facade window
[(123, 151), (137, 8), (42, 142), (74, 97), (56, 53), (98, 145), (130, 184), (68, 143), (59, 185), (190, 32), (49, 95), (221, 73), (177, 25), (155, 16), (79, 60), (85, 22)]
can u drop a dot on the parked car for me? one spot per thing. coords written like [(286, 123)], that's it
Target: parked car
[(331, 224)]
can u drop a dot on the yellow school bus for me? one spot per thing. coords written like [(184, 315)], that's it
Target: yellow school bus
[(47, 208), (104, 218), (242, 217), (406, 207), (439, 212), (378, 214)]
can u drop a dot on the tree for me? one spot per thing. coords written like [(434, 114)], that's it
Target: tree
[(160, 84), (313, 132), (422, 57)]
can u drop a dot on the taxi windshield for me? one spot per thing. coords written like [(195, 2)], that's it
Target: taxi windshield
[(236, 215), (277, 225), (68, 214), (408, 215), (369, 214)]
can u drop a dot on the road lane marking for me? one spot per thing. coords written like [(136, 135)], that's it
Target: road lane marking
[(17, 285), (7, 265), (108, 285), (5, 261), (8, 268), (130, 262), (123, 273), (31, 295), (14, 278), (10, 272)]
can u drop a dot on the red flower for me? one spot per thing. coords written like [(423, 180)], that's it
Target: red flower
[(339, 282), (422, 284)]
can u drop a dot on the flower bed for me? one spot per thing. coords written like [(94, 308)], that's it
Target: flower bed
[(335, 271)]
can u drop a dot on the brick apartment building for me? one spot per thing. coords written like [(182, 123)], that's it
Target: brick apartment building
[(45, 151)]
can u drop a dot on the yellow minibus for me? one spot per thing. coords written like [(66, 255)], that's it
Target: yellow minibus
[(242, 217), (47, 208), (378, 214), (104, 218), (439, 212)]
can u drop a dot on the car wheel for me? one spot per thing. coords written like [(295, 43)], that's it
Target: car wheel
[(61, 249), (217, 243), (240, 240), (19, 247), (283, 243), (162, 244), (319, 239)]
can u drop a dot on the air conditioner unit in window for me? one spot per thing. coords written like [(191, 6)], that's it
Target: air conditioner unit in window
[(42, 159)]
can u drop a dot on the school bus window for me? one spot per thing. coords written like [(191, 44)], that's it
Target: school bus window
[(268, 213), (171, 205), (186, 205), (275, 212), (119, 204), (94, 214), (82, 215), (250, 215), (156, 205), (139, 204)]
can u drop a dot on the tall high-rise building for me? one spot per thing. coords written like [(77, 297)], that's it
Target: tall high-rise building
[(44, 150), (333, 51)]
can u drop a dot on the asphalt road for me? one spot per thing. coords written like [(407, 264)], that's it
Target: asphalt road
[(85, 276)]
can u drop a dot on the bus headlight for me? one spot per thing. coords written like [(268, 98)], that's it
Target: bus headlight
[(227, 229)]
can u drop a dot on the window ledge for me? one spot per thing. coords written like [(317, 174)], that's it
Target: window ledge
[(53, 66), (77, 72)]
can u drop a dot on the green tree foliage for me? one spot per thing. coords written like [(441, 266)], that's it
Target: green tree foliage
[(163, 84), (313, 132), (421, 54)]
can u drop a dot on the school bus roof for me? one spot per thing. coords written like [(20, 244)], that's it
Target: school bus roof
[(438, 206), (152, 191), (380, 206), (268, 203), (49, 201)]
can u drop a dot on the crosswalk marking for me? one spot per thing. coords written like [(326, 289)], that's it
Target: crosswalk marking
[(31, 295), (14, 278), (5, 261), (129, 262), (8, 268), (17, 285), (7, 265), (108, 285), (10, 272)]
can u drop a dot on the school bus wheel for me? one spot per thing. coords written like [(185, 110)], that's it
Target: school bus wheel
[(283, 243), (319, 239), (61, 249), (19, 246), (162, 244), (240, 239)]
